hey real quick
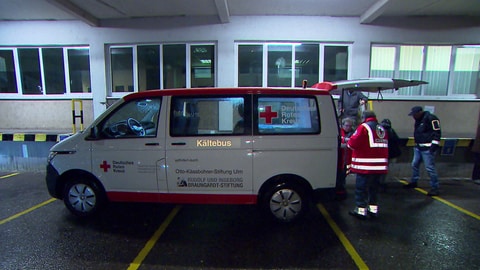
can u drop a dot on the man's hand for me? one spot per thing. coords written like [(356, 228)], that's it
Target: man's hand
[(362, 101)]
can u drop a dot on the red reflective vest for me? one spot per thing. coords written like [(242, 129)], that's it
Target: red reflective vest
[(369, 146)]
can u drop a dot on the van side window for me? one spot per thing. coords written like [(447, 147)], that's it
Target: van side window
[(136, 118), (287, 115), (194, 116)]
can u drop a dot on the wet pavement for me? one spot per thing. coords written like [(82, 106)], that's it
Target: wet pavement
[(413, 231)]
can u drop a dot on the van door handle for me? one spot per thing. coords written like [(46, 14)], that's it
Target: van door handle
[(152, 144), (179, 143)]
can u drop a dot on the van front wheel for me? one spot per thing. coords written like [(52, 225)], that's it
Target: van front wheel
[(286, 202), (83, 197)]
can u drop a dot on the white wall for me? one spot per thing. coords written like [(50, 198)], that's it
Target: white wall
[(252, 28)]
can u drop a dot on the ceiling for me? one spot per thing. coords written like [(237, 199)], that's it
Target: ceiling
[(94, 12)]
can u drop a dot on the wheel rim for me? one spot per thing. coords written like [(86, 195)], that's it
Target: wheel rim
[(285, 204), (82, 198)]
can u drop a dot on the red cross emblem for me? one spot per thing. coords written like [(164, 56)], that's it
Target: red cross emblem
[(268, 114), (105, 166)]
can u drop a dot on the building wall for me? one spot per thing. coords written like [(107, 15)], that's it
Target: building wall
[(56, 114)]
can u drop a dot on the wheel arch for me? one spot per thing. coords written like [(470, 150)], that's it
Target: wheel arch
[(75, 173), (284, 179)]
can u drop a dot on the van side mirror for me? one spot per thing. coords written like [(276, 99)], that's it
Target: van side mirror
[(93, 135)]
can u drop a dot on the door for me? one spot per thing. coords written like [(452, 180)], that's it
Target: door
[(209, 146), (128, 154)]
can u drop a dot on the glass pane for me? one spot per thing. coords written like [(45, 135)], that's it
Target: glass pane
[(437, 70), (174, 66), (209, 116), (410, 68), (306, 64), (30, 71), (466, 70), (137, 118), (279, 65), (287, 115), (148, 60), (8, 83), (250, 65), (79, 70), (382, 62), (122, 69), (335, 63), (54, 70), (202, 66)]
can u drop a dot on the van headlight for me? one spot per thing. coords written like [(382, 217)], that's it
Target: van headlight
[(53, 154)]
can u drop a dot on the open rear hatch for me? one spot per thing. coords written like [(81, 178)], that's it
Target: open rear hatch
[(372, 85)]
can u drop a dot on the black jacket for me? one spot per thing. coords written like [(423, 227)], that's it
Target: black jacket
[(427, 130)]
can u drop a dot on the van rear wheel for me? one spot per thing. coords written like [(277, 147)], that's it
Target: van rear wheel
[(286, 202), (83, 197)]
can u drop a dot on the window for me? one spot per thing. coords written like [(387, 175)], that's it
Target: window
[(202, 60), (43, 71), (161, 66), (250, 65), (122, 69), (209, 116), (135, 119), (54, 70), (287, 115), (79, 70), (289, 64), (30, 71), (8, 83), (174, 66), (279, 65), (335, 65), (148, 67), (449, 70)]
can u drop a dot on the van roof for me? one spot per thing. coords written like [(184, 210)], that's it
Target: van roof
[(226, 91)]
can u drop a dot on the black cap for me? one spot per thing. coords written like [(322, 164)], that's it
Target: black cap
[(415, 110)]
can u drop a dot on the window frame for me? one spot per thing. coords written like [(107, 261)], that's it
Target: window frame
[(321, 60), (450, 95), (134, 47), (43, 95)]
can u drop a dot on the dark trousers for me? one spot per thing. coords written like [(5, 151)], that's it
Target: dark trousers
[(476, 166), (366, 189)]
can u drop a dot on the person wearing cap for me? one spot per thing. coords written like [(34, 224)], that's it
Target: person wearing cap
[(369, 145), (427, 133)]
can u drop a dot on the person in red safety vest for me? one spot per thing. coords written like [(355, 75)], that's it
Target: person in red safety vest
[(346, 130), (369, 145)]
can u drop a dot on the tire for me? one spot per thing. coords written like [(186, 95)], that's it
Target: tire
[(286, 202), (83, 197)]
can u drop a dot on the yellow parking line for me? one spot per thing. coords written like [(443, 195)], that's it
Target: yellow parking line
[(9, 175), (26, 211), (458, 208), (341, 236), (151, 242)]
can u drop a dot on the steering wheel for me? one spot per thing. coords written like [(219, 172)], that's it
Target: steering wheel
[(135, 126)]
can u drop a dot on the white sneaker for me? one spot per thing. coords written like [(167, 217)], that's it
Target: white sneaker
[(373, 210)]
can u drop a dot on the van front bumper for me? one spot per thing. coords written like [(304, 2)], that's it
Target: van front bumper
[(52, 180)]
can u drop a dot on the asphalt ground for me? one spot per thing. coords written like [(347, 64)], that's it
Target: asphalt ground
[(413, 231)]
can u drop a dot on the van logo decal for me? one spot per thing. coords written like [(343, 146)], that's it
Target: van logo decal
[(105, 166), (214, 143), (268, 114)]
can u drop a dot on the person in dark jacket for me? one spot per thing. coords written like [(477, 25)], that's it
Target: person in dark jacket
[(349, 104), (394, 150), (427, 135), (369, 146)]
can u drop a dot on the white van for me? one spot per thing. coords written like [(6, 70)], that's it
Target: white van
[(271, 147)]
